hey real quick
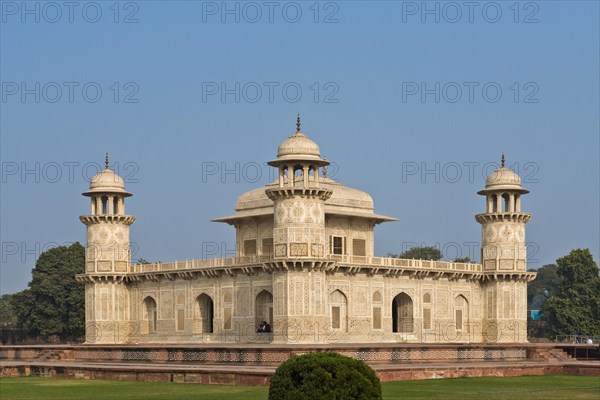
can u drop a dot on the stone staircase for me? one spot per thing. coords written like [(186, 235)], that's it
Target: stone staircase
[(49, 355), (551, 355)]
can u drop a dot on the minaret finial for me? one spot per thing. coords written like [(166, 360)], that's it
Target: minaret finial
[(106, 161), (502, 160), (298, 123)]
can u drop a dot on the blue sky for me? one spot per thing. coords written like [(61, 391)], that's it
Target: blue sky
[(191, 98)]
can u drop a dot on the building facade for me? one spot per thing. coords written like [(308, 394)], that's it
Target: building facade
[(305, 264)]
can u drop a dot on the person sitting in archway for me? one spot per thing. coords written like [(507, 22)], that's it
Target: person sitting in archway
[(262, 327)]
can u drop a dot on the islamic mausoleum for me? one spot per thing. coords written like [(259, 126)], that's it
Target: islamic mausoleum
[(305, 264)]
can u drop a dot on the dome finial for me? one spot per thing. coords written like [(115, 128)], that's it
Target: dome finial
[(502, 160), (298, 123), (106, 161)]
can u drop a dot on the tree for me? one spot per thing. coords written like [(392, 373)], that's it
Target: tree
[(544, 286), (54, 302), (575, 308), (462, 260), (22, 303), (324, 376), (420, 253), (7, 312), (8, 319), (143, 261)]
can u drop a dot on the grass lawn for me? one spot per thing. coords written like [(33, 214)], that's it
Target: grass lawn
[(525, 387), (517, 388)]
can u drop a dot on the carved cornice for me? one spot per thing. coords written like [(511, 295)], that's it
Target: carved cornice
[(101, 278), (299, 265), (508, 277), (314, 192), (91, 219), (501, 217), (406, 272), (347, 265), (328, 266)]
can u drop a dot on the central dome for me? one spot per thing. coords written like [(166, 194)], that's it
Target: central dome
[(343, 197), (343, 201), (299, 153)]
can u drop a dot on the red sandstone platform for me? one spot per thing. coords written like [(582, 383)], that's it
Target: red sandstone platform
[(254, 364)]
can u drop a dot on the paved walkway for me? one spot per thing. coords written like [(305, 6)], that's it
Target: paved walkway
[(270, 369)]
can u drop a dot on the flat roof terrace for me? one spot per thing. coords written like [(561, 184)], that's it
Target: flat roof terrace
[(346, 264)]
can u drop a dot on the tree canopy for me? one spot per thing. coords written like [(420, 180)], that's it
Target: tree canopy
[(463, 260), (544, 286), (8, 317), (574, 309), (54, 302), (420, 253)]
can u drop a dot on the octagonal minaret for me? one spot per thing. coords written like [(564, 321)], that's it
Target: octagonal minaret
[(503, 223), (504, 257), (299, 200), (300, 252), (107, 259)]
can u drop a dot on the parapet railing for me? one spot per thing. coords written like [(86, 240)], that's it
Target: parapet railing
[(405, 262), (343, 259), (200, 264), (577, 339)]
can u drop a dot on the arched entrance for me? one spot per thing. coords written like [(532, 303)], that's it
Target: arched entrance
[(263, 308), (402, 314), (204, 314)]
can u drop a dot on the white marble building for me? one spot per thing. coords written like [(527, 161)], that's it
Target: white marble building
[(305, 264)]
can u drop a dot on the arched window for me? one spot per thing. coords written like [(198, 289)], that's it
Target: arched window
[(149, 314), (180, 312), (227, 297), (377, 300), (204, 314), (427, 298), (338, 305), (461, 314), (376, 297), (264, 308), (227, 310), (427, 311), (402, 313)]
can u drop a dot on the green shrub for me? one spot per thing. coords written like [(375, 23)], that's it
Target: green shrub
[(324, 376)]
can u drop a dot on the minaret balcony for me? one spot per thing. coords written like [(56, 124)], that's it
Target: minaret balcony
[(503, 216), (309, 192), (91, 219)]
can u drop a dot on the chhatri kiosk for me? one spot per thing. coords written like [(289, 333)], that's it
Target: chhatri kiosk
[(305, 264)]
